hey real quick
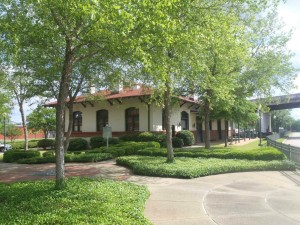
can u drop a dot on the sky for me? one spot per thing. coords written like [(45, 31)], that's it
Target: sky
[(289, 13)]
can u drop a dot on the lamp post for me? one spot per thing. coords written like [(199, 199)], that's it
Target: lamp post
[(4, 130), (260, 137), (274, 123)]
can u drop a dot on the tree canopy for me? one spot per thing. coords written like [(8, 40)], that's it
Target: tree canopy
[(43, 119)]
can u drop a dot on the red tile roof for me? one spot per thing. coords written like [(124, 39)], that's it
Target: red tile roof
[(125, 93)]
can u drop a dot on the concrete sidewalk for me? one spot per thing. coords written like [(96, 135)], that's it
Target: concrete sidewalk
[(267, 198), (252, 198)]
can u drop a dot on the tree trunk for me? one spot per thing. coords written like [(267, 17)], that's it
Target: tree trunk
[(21, 109), (167, 103), (70, 125), (231, 138), (45, 134), (226, 133), (206, 123), (60, 116)]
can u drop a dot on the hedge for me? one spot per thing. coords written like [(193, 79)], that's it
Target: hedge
[(96, 142), (187, 137), (46, 143), (126, 148), (265, 153), (145, 137), (78, 144), (83, 157), (15, 155), (88, 157), (177, 142), (20, 144)]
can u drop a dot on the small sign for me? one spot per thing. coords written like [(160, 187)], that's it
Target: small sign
[(107, 132)]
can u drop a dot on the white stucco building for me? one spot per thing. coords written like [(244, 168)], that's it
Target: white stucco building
[(130, 110)]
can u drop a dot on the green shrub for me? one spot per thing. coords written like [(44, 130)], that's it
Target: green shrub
[(177, 142), (146, 136), (96, 142), (20, 144), (153, 152), (145, 152), (131, 148), (126, 148), (32, 144), (15, 155), (17, 145), (46, 143), (78, 144), (88, 157), (83, 157), (263, 153), (37, 160), (130, 137), (48, 154), (187, 137), (192, 168), (113, 141)]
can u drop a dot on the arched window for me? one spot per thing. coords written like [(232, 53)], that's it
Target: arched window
[(102, 119), (132, 119), (184, 120), (77, 121)]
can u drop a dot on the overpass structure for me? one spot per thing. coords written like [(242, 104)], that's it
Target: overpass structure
[(277, 103)]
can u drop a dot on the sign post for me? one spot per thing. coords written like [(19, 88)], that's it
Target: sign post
[(107, 133)]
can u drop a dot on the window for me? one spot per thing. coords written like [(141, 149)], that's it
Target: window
[(132, 119), (184, 120), (102, 119), (77, 121), (220, 129)]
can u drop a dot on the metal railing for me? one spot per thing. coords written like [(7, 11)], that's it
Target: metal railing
[(292, 152)]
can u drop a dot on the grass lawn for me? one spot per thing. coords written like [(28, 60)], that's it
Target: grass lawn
[(197, 167), (84, 201), (249, 146), (281, 140)]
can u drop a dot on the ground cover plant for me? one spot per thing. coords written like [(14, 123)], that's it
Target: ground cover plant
[(260, 153), (197, 167), (83, 201), (69, 157)]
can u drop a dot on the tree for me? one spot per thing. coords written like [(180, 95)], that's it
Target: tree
[(174, 54), (22, 85), (43, 119), (60, 34), (252, 60), (12, 132), (5, 97), (270, 68), (281, 118), (296, 126)]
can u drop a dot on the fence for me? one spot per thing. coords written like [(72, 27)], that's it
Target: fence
[(292, 152)]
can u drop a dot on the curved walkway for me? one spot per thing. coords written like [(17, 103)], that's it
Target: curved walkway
[(268, 198)]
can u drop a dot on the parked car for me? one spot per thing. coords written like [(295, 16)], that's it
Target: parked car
[(5, 148)]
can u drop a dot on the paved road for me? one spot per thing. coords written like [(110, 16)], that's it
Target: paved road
[(294, 139)]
